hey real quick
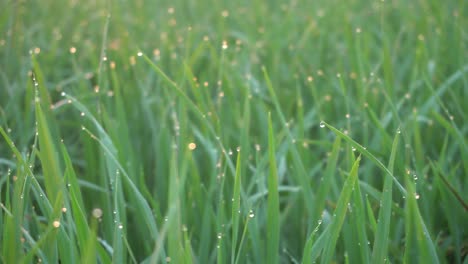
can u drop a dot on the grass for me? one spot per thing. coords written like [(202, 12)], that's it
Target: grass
[(233, 132)]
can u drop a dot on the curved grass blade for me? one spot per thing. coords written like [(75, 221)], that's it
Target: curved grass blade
[(366, 153)]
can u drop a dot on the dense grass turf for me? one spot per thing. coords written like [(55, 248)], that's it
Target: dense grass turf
[(234, 131)]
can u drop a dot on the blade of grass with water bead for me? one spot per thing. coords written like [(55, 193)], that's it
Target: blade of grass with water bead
[(313, 247), (118, 254), (423, 250), (52, 175), (302, 176), (76, 201), (273, 210), (236, 207), (357, 224), (48, 156), (366, 153), (340, 213), (14, 208), (221, 218), (381, 244)]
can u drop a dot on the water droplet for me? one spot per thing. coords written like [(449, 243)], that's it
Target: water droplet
[(416, 195), (322, 124), (120, 226), (97, 212), (139, 54), (192, 146), (251, 214), (220, 235), (353, 149), (63, 94), (56, 224), (398, 131)]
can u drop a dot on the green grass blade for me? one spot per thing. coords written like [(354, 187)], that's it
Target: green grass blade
[(366, 153), (379, 254), (340, 213), (273, 214), (236, 208)]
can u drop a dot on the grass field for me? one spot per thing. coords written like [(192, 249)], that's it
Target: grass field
[(234, 131)]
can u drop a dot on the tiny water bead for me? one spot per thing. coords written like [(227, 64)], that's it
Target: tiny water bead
[(56, 224), (225, 45), (192, 146), (139, 54), (322, 124), (97, 212), (251, 214), (120, 226)]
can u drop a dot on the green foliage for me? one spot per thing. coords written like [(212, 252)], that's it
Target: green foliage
[(233, 131)]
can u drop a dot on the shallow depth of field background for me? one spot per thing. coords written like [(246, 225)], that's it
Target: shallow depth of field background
[(233, 131)]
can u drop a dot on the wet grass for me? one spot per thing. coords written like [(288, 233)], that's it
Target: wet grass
[(233, 132)]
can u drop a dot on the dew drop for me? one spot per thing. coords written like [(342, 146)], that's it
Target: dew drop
[(97, 212), (120, 226), (322, 124), (63, 94), (139, 54), (56, 224), (251, 214), (353, 149)]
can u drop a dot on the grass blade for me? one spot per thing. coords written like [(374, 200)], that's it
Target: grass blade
[(340, 213), (379, 254), (273, 214)]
